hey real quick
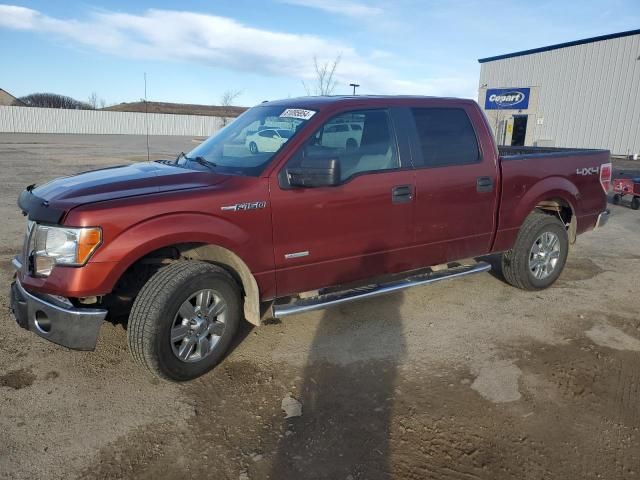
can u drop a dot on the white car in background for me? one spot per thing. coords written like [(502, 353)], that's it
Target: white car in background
[(342, 135), (267, 140)]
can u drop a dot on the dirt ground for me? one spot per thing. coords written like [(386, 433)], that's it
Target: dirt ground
[(470, 379)]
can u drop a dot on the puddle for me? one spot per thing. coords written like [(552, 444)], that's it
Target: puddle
[(580, 269)]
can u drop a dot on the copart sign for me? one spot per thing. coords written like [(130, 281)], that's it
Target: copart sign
[(507, 99)]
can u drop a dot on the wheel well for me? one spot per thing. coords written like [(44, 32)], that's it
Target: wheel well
[(563, 210), (144, 268)]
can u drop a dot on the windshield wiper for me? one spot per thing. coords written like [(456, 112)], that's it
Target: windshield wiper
[(200, 160)]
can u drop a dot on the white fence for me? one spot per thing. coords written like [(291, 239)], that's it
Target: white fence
[(55, 120)]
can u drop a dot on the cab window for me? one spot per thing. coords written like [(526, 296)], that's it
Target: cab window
[(362, 141), (446, 137)]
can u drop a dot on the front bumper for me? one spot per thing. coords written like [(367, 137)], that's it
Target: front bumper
[(71, 327), (603, 218)]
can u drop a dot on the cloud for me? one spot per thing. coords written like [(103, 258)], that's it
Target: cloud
[(17, 17), (223, 42), (350, 9)]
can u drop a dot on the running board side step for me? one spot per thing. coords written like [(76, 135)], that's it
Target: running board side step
[(368, 291)]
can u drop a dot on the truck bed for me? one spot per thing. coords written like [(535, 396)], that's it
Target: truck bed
[(532, 174), (521, 153)]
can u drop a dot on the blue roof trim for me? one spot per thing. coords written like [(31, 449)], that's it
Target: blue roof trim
[(561, 45)]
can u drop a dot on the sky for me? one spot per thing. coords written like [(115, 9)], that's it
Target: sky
[(193, 51)]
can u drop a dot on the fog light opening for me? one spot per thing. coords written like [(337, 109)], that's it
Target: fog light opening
[(42, 322)]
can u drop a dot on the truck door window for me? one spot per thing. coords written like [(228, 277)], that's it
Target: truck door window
[(446, 137), (363, 141)]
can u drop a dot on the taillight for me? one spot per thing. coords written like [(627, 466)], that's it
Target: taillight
[(605, 176)]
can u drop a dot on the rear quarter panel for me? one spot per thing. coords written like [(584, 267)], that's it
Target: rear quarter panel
[(528, 180)]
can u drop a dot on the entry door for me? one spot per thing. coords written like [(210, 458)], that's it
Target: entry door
[(519, 130), (329, 236), (456, 186)]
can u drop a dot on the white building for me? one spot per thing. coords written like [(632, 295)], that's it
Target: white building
[(578, 94)]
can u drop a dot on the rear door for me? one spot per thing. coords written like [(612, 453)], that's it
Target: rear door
[(456, 184), (359, 229)]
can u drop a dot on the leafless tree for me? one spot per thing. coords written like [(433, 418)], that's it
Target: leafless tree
[(229, 97), (93, 100), (96, 102), (226, 100), (324, 82), (53, 100)]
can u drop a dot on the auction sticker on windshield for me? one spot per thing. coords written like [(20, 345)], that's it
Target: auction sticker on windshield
[(300, 113)]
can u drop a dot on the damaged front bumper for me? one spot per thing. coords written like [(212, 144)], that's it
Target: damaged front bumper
[(66, 325)]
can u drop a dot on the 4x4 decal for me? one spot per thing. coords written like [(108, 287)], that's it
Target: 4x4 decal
[(587, 171)]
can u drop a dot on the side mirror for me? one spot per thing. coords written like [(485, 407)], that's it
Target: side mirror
[(319, 172)]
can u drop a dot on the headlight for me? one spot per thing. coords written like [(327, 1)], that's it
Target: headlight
[(62, 246)]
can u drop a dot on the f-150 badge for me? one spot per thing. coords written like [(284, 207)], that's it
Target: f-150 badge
[(245, 206)]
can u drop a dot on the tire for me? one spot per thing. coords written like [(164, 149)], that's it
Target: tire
[(160, 310), (351, 145), (530, 264), (253, 147), (616, 199), (635, 203)]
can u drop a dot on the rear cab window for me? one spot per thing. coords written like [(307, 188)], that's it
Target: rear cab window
[(445, 138)]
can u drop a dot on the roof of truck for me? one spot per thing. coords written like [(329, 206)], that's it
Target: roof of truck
[(360, 100)]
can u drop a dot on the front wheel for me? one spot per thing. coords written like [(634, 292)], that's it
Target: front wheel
[(616, 199), (539, 254), (635, 203), (184, 319), (253, 147)]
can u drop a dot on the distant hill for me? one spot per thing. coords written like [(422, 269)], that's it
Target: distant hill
[(177, 109)]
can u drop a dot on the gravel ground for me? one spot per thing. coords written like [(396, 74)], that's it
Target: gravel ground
[(470, 379)]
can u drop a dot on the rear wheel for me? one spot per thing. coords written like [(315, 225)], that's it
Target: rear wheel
[(184, 319), (635, 203), (539, 254), (616, 199)]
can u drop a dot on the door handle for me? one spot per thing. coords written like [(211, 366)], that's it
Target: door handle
[(401, 194), (484, 184)]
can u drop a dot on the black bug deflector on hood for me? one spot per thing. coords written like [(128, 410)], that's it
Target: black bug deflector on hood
[(38, 208), (49, 203)]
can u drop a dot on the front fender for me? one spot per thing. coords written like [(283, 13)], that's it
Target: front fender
[(135, 242)]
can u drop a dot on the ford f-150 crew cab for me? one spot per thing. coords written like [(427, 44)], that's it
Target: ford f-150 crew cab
[(188, 248)]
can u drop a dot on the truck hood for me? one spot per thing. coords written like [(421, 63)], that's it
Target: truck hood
[(49, 202)]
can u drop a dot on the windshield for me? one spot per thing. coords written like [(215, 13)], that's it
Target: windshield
[(247, 145)]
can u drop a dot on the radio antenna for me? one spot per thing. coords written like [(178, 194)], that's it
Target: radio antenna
[(146, 115)]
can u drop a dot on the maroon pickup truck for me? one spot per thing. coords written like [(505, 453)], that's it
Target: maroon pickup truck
[(299, 204)]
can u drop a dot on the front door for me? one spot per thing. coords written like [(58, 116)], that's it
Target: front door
[(334, 235)]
